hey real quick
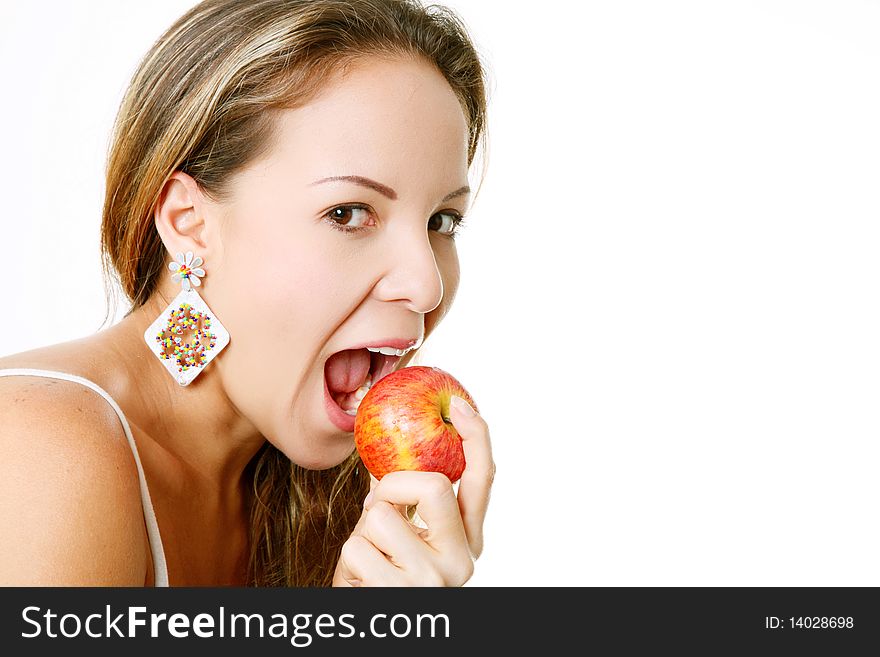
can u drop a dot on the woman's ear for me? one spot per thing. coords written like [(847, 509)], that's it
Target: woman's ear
[(180, 216)]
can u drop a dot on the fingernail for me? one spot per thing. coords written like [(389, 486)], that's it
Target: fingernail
[(462, 406), (368, 499)]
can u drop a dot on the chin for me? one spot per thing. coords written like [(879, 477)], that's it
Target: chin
[(323, 457)]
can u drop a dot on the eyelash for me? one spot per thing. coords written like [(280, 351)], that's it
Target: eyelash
[(457, 220)]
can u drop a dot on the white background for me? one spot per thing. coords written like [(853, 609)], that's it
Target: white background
[(669, 310)]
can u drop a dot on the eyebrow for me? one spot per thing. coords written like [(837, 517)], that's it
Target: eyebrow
[(384, 189)]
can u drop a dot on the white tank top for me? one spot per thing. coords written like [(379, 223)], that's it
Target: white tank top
[(160, 569)]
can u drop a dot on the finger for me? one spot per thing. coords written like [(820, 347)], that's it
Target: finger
[(362, 564), (406, 511), (358, 528), (476, 481), (375, 482), (393, 535), (346, 567), (433, 493)]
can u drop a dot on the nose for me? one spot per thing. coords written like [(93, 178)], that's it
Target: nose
[(411, 275)]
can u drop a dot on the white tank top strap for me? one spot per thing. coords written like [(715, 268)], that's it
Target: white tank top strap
[(160, 568)]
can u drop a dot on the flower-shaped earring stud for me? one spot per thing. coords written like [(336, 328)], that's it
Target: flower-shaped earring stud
[(186, 270), (186, 336)]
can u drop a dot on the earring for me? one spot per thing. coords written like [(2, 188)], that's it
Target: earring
[(186, 336)]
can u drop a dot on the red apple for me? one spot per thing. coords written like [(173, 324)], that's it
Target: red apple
[(403, 423)]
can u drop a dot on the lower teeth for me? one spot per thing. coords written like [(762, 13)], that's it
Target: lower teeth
[(358, 394)]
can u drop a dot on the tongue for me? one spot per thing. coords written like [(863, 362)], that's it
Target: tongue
[(346, 370)]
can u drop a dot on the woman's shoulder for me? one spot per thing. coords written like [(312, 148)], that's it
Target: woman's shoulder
[(82, 356), (60, 416), (52, 398), (55, 401), (71, 510)]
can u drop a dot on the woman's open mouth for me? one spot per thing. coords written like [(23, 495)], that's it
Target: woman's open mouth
[(348, 376)]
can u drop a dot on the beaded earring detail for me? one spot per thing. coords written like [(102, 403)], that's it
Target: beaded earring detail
[(186, 336)]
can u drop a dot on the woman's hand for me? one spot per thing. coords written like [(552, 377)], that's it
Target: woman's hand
[(385, 549)]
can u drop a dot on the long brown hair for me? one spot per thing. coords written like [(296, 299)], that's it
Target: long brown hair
[(203, 101)]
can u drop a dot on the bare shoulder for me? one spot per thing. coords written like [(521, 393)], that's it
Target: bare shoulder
[(70, 509)]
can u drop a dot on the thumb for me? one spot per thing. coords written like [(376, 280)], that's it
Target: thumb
[(461, 408)]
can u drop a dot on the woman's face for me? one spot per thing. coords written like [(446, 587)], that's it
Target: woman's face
[(293, 289)]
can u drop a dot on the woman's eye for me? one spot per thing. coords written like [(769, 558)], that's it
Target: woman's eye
[(447, 223), (346, 217)]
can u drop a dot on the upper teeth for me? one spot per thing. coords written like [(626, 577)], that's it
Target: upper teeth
[(388, 351)]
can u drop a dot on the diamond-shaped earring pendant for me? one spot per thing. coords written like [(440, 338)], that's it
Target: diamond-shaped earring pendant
[(186, 336)]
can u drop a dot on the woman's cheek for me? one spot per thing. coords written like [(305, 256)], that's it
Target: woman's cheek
[(450, 274)]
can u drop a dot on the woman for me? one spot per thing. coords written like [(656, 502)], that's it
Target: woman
[(308, 162)]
